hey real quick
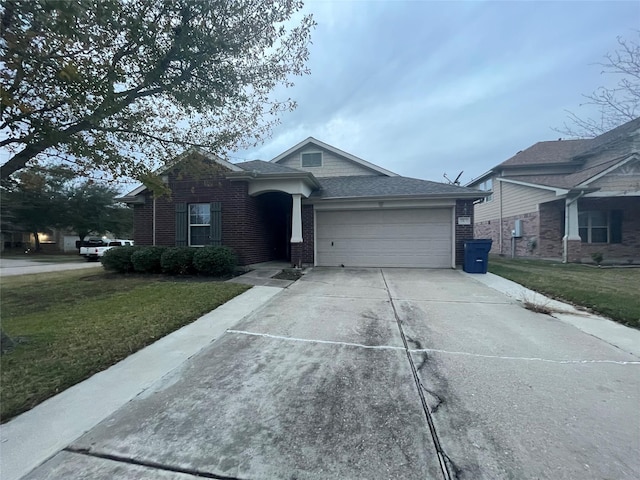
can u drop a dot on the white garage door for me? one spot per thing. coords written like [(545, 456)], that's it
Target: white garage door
[(384, 238)]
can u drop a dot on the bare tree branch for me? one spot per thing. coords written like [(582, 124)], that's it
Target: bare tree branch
[(616, 105)]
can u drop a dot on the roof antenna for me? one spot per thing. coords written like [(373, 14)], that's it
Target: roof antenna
[(456, 181)]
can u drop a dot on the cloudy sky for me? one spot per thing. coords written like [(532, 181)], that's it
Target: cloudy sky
[(426, 88)]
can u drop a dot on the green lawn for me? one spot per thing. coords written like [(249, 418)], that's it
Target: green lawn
[(613, 292), (70, 325)]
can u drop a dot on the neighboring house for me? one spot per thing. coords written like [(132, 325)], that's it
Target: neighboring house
[(566, 199), (313, 204)]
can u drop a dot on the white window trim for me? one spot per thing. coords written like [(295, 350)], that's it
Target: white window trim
[(302, 154), (483, 186), (590, 227), (189, 225)]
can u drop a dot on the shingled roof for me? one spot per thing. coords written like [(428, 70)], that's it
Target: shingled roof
[(581, 160), (545, 153), (381, 186), (260, 166)]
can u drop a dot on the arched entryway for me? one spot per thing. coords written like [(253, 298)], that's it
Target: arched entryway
[(275, 213)]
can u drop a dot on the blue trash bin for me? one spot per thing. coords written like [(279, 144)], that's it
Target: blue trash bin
[(476, 255)]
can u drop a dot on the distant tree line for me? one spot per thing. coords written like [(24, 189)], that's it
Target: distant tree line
[(41, 198)]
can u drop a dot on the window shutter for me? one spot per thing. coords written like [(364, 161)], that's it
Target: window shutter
[(616, 226), (215, 237), (181, 224)]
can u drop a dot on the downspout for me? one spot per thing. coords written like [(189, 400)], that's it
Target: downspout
[(567, 226), (500, 226), (153, 228)]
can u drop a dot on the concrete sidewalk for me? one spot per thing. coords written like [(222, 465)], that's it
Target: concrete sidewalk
[(620, 336), (33, 437)]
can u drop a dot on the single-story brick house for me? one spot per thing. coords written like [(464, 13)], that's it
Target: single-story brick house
[(313, 204), (566, 199)]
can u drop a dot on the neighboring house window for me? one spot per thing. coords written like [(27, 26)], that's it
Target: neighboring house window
[(312, 159), (600, 226), (199, 223), (487, 186)]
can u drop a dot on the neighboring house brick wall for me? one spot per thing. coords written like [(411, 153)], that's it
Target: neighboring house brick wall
[(332, 165), (489, 229), (524, 246), (551, 230), (464, 208)]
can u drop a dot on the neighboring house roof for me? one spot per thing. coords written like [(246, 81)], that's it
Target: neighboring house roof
[(381, 186), (585, 159), (336, 151), (559, 151)]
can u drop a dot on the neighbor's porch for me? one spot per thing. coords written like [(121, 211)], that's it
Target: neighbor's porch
[(575, 231)]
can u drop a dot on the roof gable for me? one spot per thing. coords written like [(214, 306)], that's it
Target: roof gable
[(181, 158), (336, 162)]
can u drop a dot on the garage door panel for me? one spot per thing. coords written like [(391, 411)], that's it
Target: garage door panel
[(386, 231), (384, 238)]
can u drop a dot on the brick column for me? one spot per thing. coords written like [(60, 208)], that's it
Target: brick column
[(573, 250), (572, 243), (296, 254)]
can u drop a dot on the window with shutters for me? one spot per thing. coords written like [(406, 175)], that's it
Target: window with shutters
[(199, 224)]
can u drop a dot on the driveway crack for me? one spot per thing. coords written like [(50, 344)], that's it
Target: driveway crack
[(447, 467), (149, 464)]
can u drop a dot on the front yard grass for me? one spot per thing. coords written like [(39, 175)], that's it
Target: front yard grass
[(609, 291), (70, 325)]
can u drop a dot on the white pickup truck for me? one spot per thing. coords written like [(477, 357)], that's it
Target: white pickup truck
[(93, 253)]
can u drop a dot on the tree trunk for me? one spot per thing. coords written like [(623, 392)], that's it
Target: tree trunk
[(36, 238)]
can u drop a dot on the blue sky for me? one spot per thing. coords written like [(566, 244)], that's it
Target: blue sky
[(423, 88)]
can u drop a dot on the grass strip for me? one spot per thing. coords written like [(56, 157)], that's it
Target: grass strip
[(70, 325), (609, 291)]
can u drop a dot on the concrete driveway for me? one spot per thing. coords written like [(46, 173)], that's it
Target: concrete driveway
[(380, 373)]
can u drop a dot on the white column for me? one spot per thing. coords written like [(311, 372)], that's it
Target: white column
[(296, 219), (571, 231)]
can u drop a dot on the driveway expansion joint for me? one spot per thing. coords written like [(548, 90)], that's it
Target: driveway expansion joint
[(149, 464), (446, 465), (527, 359)]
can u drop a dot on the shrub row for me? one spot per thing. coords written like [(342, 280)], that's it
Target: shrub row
[(215, 261)]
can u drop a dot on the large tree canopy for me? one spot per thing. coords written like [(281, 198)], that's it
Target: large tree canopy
[(614, 105), (115, 85)]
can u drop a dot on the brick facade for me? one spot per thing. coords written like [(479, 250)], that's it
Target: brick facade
[(551, 231), (307, 235), (258, 228), (245, 220), (464, 208)]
